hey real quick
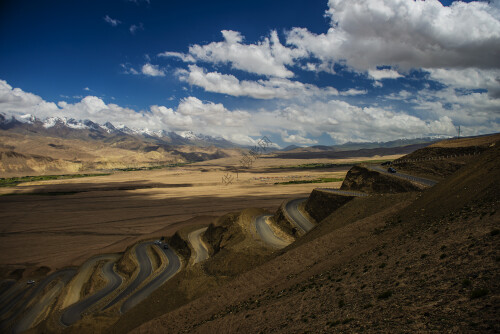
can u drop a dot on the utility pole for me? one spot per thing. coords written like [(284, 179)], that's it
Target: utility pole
[(458, 130)]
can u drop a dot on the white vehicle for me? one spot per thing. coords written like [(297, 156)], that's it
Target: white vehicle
[(30, 282)]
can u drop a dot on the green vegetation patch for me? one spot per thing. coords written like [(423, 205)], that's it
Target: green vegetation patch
[(321, 165), (312, 166), (320, 180), (14, 181), (135, 169)]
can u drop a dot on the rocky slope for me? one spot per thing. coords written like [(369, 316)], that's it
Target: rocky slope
[(321, 204), (360, 178), (411, 262), (446, 157)]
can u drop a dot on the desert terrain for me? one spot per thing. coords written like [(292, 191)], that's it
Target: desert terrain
[(136, 192), (283, 245), (250, 167)]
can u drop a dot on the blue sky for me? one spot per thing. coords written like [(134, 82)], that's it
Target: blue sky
[(301, 72)]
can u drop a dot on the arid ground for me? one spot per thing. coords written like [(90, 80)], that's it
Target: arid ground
[(412, 251), (62, 223)]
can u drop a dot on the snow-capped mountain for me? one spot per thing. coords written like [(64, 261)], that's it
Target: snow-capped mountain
[(108, 127), (190, 135), (87, 129)]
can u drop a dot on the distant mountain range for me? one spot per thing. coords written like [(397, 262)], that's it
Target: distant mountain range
[(361, 146), (146, 139), (88, 130), (367, 149)]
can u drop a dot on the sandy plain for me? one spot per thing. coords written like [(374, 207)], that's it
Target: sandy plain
[(62, 223)]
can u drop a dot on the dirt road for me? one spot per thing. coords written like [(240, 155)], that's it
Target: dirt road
[(266, 234), (201, 251)]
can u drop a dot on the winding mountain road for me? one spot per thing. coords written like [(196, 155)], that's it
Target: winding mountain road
[(30, 316), (73, 313), (75, 287), (343, 192), (14, 300), (199, 246), (145, 269), (172, 268), (266, 234), (292, 209), (12, 296), (6, 285), (417, 179)]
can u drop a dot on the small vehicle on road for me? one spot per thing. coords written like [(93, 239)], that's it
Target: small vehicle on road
[(157, 242), (30, 282), (391, 170), (165, 246)]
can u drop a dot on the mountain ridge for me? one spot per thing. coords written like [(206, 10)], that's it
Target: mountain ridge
[(87, 129)]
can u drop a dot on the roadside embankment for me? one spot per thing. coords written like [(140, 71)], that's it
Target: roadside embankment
[(127, 264), (181, 245), (95, 282), (321, 204), (233, 247), (215, 233), (440, 162), (282, 220)]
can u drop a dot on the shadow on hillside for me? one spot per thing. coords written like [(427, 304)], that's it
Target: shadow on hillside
[(74, 188)]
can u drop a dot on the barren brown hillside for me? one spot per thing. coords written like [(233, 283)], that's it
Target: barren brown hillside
[(445, 157), (30, 153), (423, 262), (420, 260)]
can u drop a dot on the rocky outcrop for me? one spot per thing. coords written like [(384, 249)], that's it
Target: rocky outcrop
[(362, 179), (281, 219), (215, 235), (321, 204), (180, 245), (127, 263)]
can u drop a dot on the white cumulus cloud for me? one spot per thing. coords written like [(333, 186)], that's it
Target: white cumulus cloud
[(261, 89), (14, 101), (406, 34), (346, 122), (470, 78), (353, 92), (267, 57), (152, 70), (296, 139), (384, 74), (433, 113), (182, 56)]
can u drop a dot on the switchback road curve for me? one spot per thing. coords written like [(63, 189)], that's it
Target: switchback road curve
[(145, 269), (173, 266), (292, 209), (12, 297), (266, 234), (73, 313), (201, 251), (26, 321), (6, 285), (343, 192), (420, 180)]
